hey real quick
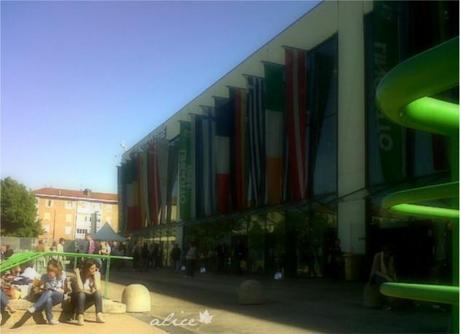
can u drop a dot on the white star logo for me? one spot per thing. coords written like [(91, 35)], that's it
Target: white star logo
[(205, 317)]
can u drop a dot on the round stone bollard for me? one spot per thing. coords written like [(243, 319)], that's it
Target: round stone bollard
[(251, 293), (137, 298)]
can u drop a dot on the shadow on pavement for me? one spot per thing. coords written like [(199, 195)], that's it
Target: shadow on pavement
[(311, 304)]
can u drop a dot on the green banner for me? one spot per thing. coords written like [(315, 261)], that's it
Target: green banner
[(185, 171), (274, 98), (385, 47)]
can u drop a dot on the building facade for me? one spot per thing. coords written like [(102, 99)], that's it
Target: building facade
[(288, 152), (69, 214)]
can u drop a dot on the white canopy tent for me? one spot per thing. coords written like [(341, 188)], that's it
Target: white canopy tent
[(106, 233)]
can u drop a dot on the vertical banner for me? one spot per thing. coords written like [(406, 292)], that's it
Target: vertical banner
[(121, 198), (185, 171), (153, 182), (224, 129), (193, 180), (204, 133), (140, 190), (296, 109), (256, 141), (163, 152), (274, 131), (238, 99), (171, 198), (132, 194), (197, 135), (209, 160), (385, 48), (145, 193)]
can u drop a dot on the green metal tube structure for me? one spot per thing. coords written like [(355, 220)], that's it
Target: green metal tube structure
[(405, 96)]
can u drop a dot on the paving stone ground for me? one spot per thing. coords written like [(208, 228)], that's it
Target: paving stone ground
[(116, 323), (293, 306)]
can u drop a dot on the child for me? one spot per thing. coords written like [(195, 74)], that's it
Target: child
[(86, 291), (52, 285)]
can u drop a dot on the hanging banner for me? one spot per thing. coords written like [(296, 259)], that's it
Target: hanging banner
[(185, 171), (385, 55)]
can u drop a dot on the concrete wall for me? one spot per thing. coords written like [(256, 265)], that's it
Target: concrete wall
[(351, 127)]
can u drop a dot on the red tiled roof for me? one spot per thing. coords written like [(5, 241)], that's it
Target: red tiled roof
[(94, 196)]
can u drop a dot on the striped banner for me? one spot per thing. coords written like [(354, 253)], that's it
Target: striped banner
[(274, 131), (256, 138), (209, 160), (238, 100), (224, 127), (204, 166), (296, 109)]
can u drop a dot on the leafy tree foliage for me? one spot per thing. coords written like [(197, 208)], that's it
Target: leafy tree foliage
[(18, 210)]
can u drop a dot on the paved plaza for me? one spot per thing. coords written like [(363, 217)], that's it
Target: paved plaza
[(208, 303), (293, 306)]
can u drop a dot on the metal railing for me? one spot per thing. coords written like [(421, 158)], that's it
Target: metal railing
[(25, 257)]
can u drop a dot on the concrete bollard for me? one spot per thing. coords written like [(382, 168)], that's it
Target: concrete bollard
[(251, 293), (137, 298)]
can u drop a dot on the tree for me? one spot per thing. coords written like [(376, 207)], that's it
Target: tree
[(18, 210)]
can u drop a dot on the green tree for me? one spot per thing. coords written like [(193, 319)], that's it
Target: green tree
[(18, 210)]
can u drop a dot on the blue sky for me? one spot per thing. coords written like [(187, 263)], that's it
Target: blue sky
[(80, 78)]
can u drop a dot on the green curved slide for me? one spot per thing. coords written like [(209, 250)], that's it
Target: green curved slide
[(405, 95)]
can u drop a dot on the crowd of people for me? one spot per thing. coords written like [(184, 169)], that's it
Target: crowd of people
[(80, 283)]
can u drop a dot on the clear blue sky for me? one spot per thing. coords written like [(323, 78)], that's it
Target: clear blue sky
[(79, 78)]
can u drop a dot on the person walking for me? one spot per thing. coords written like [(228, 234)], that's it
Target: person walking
[(191, 259), (145, 257), (104, 250), (175, 257), (41, 261), (91, 249)]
